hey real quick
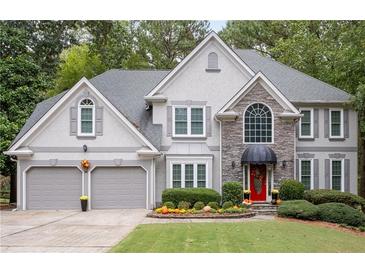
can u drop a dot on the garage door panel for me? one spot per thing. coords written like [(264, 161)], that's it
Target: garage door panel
[(53, 188), (118, 187)]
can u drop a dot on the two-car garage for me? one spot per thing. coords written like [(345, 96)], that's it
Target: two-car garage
[(61, 187)]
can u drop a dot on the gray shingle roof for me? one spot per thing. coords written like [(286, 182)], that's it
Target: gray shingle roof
[(295, 85), (125, 89)]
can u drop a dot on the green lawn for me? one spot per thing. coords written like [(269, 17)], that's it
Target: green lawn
[(257, 236)]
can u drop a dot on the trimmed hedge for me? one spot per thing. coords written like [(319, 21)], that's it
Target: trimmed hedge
[(199, 205), (291, 190), (300, 209), (191, 195), (227, 204), (214, 205), (183, 205), (321, 196), (169, 205), (341, 214), (232, 191)]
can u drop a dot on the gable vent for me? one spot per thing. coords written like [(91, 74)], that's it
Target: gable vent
[(212, 60)]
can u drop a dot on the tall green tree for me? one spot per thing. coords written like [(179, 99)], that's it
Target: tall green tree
[(75, 63), (163, 44)]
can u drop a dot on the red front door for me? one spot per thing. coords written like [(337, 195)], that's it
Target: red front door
[(258, 182)]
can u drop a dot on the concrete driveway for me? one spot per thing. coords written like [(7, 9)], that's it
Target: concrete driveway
[(66, 230)]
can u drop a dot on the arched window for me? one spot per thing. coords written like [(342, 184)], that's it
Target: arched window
[(212, 60), (86, 119), (258, 124)]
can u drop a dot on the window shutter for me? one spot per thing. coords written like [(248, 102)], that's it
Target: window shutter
[(346, 123), (327, 174), (347, 175), (316, 174), (99, 121), (169, 122), (208, 121), (326, 123), (297, 169), (73, 121), (316, 125), (212, 60)]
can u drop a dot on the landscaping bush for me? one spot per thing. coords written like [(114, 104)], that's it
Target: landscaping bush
[(232, 191), (300, 209), (291, 190), (227, 204), (214, 205), (341, 214), (169, 205), (183, 205), (199, 205), (191, 195), (321, 196)]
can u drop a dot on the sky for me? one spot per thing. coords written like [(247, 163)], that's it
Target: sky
[(217, 25)]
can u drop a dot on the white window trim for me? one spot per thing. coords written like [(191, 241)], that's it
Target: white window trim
[(342, 173), (312, 170), (195, 169), (272, 126), (79, 133), (330, 123), (311, 136), (188, 121)]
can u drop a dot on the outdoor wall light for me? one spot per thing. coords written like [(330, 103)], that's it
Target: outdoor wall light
[(283, 164), (233, 164), (84, 147)]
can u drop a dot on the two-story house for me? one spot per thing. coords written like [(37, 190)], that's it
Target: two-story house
[(220, 115)]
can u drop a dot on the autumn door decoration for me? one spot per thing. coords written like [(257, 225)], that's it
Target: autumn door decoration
[(85, 164)]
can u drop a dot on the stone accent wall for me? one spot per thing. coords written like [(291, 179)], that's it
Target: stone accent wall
[(232, 138)]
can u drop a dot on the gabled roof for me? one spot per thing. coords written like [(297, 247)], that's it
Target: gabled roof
[(271, 88), (212, 35), (125, 91), (295, 85)]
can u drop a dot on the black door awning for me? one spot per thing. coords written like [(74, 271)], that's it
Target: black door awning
[(258, 154)]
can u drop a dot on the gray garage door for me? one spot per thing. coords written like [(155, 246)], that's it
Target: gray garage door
[(53, 188), (118, 187)]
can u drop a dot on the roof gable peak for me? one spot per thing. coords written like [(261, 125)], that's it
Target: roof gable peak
[(211, 35), (269, 87)]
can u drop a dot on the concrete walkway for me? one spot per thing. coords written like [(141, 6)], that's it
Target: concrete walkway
[(66, 231)]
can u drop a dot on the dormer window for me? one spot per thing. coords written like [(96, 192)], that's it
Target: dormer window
[(213, 62), (86, 125)]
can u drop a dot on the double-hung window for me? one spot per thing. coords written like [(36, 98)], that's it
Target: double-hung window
[(86, 124), (306, 124), (336, 123), (189, 121), (337, 175), (306, 173), (188, 175)]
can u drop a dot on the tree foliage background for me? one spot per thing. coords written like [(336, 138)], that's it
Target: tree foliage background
[(42, 58)]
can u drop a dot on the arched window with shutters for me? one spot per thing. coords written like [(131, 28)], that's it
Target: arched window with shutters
[(86, 124), (212, 61), (258, 124)]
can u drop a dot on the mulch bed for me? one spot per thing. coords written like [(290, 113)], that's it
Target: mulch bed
[(6, 206), (325, 224), (202, 215)]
